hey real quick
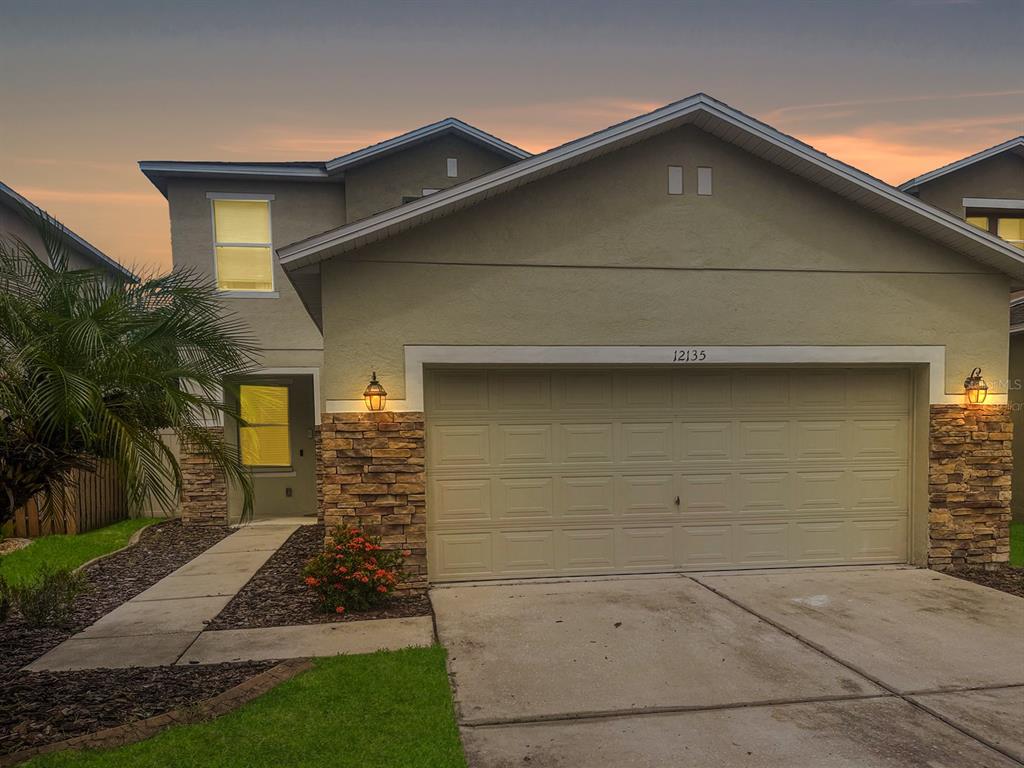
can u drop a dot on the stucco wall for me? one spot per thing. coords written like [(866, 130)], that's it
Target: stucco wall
[(281, 326), (380, 185), (1001, 176), (601, 255)]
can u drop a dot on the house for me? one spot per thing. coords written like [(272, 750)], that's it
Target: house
[(20, 218), (987, 190), (685, 342), (99, 499)]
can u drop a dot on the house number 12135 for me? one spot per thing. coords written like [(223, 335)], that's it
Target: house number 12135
[(689, 356)]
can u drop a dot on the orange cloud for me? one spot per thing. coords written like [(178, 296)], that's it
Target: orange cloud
[(47, 195)]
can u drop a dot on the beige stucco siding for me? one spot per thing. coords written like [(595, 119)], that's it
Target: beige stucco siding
[(381, 184), (999, 177), (281, 326), (601, 255)]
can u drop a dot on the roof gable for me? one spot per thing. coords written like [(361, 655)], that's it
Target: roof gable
[(708, 114), (34, 212), (1015, 145)]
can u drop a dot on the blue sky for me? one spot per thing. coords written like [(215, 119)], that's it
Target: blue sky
[(91, 87)]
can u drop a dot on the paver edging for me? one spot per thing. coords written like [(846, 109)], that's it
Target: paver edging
[(216, 706)]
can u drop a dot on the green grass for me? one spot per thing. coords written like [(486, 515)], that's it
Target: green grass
[(381, 710), (1017, 544), (68, 551)]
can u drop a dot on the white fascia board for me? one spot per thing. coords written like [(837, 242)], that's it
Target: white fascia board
[(993, 202), (304, 250), (924, 178)]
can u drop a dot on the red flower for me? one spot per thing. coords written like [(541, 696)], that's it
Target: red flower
[(340, 609)]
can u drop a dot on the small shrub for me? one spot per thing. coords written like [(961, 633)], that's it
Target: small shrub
[(354, 573), (49, 599)]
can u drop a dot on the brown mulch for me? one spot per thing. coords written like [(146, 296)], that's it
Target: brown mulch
[(40, 707), (276, 596), (1005, 578)]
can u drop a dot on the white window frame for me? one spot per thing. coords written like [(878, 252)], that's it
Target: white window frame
[(213, 197)]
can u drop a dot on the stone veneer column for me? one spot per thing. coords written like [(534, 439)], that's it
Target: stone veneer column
[(372, 475), (204, 488), (969, 475)]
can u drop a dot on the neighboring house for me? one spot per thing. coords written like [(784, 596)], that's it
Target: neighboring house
[(685, 342), (20, 218), (99, 499), (987, 190)]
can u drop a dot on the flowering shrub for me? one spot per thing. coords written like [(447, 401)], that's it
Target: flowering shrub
[(354, 573)]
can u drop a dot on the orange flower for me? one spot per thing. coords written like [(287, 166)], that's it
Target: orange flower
[(312, 581), (382, 589), (340, 609)]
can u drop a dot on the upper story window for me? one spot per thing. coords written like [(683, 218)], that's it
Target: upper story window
[(1009, 225), (242, 244)]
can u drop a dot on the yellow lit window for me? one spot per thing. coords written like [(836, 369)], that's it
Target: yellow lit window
[(264, 438), (1011, 230), (981, 222), (242, 243)]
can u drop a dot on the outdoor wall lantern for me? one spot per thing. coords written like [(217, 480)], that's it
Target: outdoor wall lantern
[(375, 395), (977, 389)]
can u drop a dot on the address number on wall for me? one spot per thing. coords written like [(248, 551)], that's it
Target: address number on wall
[(689, 356)]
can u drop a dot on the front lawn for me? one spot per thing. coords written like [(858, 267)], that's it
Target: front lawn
[(1017, 544), (381, 710), (68, 551)]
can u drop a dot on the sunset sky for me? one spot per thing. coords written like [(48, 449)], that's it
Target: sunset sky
[(90, 88)]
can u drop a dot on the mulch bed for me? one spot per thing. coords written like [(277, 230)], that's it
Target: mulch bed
[(276, 596), (1005, 579), (40, 707)]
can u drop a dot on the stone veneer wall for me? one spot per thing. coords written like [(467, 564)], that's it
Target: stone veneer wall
[(969, 475), (204, 489), (372, 475)]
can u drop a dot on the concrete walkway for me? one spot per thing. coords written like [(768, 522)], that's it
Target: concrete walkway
[(166, 624), (830, 668)]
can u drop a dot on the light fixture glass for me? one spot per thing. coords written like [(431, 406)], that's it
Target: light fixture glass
[(375, 396), (977, 389)]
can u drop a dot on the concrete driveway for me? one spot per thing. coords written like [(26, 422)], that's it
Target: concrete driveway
[(820, 668)]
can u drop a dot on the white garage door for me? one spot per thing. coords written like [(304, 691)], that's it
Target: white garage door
[(542, 472)]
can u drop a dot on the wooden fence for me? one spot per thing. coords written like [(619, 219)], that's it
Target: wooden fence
[(96, 500)]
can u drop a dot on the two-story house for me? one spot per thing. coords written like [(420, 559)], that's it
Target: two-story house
[(987, 190), (684, 342)]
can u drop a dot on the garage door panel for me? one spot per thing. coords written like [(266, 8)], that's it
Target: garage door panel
[(587, 443), (706, 441), (883, 540), (524, 499), (588, 549), (525, 553), (707, 546), (461, 445), (647, 495), (587, 497), (524, 444), (647, 442), (819, 542), (578, 471), (462, 502), (764, 441), (646, 548), (711, 494), (763, 544)]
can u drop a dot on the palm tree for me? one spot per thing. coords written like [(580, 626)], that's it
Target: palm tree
[(94, 368)]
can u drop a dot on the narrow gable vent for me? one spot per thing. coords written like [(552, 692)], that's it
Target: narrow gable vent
[(675, 179), (703, 181), (453, 167)]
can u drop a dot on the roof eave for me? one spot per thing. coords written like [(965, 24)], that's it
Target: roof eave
[(1016, 142)]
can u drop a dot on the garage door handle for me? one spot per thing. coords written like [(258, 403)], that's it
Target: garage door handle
[(677, 501)]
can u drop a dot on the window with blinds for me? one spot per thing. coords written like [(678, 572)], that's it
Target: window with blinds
[(242, 245), (263, 439)]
